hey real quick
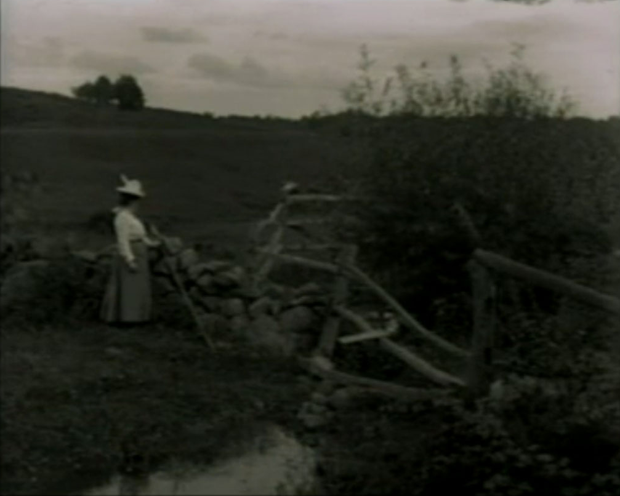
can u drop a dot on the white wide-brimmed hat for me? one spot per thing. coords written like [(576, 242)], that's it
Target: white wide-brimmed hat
[(131, 187)]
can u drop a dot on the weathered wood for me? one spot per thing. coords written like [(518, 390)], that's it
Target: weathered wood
[(185, 296), (422, 366), (306, 262), (386, 388), (410, 358), (309, 198), (468, 225), (365, 336), (274, 218), (327, 342), (542, 278), (310, 221), (312, 247), (266, 261), (484, 329), (407, 319)]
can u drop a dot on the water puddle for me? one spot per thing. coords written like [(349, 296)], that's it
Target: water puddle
[(277, 465)]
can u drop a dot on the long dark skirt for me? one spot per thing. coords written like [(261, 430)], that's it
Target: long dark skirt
[(128, 297)]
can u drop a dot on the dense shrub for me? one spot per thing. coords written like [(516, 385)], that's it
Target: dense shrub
[(539, 188)]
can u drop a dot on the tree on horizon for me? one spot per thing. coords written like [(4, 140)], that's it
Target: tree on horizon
[(125, 92), (128, 93)]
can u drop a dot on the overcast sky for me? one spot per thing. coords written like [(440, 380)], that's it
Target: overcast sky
[(290, 57)]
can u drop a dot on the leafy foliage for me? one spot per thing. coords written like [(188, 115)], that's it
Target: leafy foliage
[(538, 187), (511, 91), (129, 93), (125, 91)]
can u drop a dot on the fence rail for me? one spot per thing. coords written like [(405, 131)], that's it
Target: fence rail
[(544, 279), (483, 267)]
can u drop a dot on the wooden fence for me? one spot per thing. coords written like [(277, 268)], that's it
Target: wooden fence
[(484, 267)]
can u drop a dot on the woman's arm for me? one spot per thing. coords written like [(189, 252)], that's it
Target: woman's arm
[(151, 238)]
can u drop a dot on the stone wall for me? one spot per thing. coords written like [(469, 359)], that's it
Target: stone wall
[(278, 318)]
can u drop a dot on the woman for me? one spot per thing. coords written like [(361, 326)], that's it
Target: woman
[(127, 299)]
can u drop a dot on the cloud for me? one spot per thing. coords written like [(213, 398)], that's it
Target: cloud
[(110, 63), (249, 72), (271, 35), (165, 35), (48, 53)]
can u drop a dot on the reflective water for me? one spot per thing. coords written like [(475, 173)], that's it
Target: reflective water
[(277, 465)]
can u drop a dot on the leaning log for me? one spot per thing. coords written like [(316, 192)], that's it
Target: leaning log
[(547, 280)]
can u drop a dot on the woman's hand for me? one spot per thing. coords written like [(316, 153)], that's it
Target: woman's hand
[(133, 266)]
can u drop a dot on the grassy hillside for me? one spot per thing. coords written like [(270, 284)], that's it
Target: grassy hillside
[(207, 179)]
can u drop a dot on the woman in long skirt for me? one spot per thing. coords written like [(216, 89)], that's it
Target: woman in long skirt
[(127, 299)]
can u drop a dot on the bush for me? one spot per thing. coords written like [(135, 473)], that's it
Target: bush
[(539, 188), (63, 290)]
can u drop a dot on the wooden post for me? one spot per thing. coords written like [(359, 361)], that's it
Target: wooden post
[(341, 292), (483, 287), (265, 258)]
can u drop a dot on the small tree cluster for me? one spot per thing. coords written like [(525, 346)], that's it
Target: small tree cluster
[(125, 92)]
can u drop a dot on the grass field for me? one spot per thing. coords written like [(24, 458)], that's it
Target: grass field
[(80, 400), (208, 180), (81, 403)]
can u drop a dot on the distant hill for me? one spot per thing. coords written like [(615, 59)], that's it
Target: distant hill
[(27, 108), (208, 179)]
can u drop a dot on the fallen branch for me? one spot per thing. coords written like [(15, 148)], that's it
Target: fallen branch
[(365, 336), (411, 359), (547, 280), (386, 388), (305, 198), (305, 262), (407, 319)]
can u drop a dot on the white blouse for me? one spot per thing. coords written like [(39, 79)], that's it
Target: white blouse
[(128, 229)]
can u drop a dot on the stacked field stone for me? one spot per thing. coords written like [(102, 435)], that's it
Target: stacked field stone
[(276, 318)]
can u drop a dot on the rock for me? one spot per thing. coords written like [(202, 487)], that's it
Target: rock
[(196, 271), (214, 324), (223, 281), (233, 307), (308, 300), (22, 282), (310, 288), (205, 283), (326, 388), (195, 295), (316, 408), (341, 399), (233, 277), (321, 363), (106, 253), (187, 259), (261, 306), (297, 320), (162, 268), (348, 397), (86, 256), (166, 285), (305, 343), (173, 246), (211, 303), (265, 333), (113, 351), (314, 421), (239, 325), (319, 398), (264, 324), (215, 266)]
